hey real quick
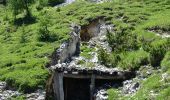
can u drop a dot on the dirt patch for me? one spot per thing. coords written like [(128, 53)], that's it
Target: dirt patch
[(91, 30)]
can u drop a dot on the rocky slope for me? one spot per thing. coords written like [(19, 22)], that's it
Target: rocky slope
[(7, 93)]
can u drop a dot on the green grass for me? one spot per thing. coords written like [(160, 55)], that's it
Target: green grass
[(113, 94), (133, 60), (165, 64), (85, 51), (152, 85)]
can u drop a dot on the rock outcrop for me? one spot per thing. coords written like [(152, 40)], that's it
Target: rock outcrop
[(97, 27), (68, 48), (62, 55), (7, 93), (162, 32)]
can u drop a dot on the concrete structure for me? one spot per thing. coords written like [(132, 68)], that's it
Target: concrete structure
[(66, 80)]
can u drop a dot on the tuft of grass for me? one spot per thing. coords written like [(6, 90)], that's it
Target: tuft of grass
[(113, 94), (85, 51), (133, 60), (165, 64)]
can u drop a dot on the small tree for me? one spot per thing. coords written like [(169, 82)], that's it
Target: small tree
[(41, 4), (122, 41), (44, 33), (23, 36), (18, 6), (109, 60)]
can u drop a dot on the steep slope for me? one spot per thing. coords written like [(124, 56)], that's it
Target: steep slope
[(23, 56)]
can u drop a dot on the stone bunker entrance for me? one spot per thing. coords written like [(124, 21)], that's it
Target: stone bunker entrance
[(80, 88), (76, 89), (80, 84)]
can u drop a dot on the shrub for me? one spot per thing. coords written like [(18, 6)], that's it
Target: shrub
[(165, 64), (133, 60), (156, 55), (103, 57), (44, 34), (23, 35), (122, 41), (107, 59), (113, 94), (41, 4), (157, 51)]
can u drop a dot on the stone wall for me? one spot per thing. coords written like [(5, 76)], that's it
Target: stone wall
[(68, 48), (62, 54)]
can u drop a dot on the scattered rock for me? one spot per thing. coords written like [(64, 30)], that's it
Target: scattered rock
[(130, 87), (160, 32), (38, 95), (165, 77), (3, 85), (101, 95), (8, 94)]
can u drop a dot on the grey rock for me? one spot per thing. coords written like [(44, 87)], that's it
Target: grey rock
[(101, 95), (130, 87)]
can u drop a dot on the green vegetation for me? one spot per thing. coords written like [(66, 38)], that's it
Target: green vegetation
[(85, 51), (134, 60), (26, 43), (19, 6), (165, 64), (132, 42), (113, 94), (23, 55)]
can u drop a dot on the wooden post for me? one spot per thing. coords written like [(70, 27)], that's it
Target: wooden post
[(92, 86), (58, 86)]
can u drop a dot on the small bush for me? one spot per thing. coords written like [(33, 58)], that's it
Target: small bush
[(157, 52), (133, 60), (44, 34), (165, 64), (23, 35), (107, 59), (41, 4), (103, 57), (113, 94), (122, 41)]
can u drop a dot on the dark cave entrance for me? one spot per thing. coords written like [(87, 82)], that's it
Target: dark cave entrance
[(76, 89), (79, 88)]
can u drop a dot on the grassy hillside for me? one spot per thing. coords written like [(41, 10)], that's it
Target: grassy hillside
[(23, 55)]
